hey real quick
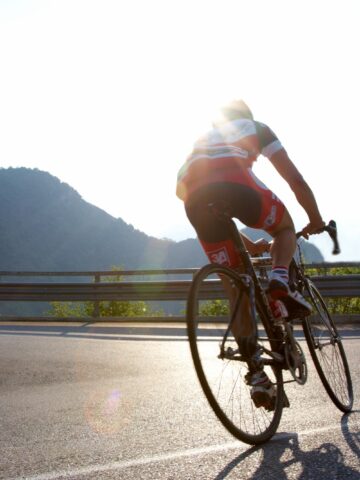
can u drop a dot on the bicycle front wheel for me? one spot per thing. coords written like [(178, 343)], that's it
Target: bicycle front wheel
[(223, 379), (327, 352)]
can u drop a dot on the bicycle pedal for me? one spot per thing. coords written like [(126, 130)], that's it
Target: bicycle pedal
[(277, 357)]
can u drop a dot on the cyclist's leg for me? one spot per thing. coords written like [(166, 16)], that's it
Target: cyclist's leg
[(282, 251), (242, 202), (275, 219), (284, 243), (215, 237), (243, 324)]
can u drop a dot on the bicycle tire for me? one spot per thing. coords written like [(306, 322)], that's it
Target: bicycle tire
[(222, 380), (327, 352)]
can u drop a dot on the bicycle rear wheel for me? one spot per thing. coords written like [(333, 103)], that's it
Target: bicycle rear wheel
[(327, 352), (223, 379)]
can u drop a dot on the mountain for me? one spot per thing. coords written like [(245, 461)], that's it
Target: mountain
[(46, 225)]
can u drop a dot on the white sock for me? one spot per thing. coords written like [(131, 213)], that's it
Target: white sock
[(280, 273)]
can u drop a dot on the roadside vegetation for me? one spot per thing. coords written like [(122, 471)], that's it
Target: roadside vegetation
[(105, 308), (341, 306)]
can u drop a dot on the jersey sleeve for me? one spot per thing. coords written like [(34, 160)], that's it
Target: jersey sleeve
[(268, 141)]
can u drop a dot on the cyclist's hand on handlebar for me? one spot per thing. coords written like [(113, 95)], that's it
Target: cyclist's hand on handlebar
[(313, 228), (319, 227)]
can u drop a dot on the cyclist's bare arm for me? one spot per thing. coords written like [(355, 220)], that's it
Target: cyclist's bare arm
[(301, 189)]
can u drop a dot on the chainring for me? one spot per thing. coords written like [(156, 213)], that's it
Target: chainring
[(296, 362)]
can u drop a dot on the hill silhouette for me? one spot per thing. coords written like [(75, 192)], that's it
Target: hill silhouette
[(46, 225)]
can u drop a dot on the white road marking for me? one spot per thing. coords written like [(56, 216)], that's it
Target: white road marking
[(121, 465)]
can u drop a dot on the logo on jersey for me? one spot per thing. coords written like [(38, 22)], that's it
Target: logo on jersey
[(220, 256), (271, 218)]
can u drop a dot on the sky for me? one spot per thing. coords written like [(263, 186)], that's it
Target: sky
[(109, 96)]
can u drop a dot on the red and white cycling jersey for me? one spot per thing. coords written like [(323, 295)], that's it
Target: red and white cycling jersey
[(224, 153)]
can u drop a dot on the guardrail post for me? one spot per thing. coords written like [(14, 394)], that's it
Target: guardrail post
[(197, 301), (96, 310)]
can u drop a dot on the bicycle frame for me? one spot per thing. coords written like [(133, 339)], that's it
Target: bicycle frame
[(248, 266), (279, 335), (226, 374), (258, 298)]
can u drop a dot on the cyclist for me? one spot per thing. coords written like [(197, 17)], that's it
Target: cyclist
[(219, 171)]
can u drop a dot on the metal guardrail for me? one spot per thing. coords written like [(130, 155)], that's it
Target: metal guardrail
[(261, 261), (329, 286), (338, 285), (150, 290)]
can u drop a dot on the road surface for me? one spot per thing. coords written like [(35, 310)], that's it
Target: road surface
[(113, 401)]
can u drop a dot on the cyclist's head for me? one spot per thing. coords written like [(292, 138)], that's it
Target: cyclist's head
[(236, 109)]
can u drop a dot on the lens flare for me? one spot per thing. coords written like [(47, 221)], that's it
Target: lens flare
[(106, 412)]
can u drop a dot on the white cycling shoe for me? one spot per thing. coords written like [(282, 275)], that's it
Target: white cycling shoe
[(263, 392)]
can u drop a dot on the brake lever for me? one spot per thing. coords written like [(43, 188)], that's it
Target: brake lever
[(332, 231)]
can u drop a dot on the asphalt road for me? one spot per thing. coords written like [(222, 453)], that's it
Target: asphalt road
[(123, 402)]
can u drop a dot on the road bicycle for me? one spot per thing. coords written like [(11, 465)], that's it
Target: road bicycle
[(223, 371)]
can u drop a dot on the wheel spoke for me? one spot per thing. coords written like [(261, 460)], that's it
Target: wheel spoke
[(223, 379), (328, 354)]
